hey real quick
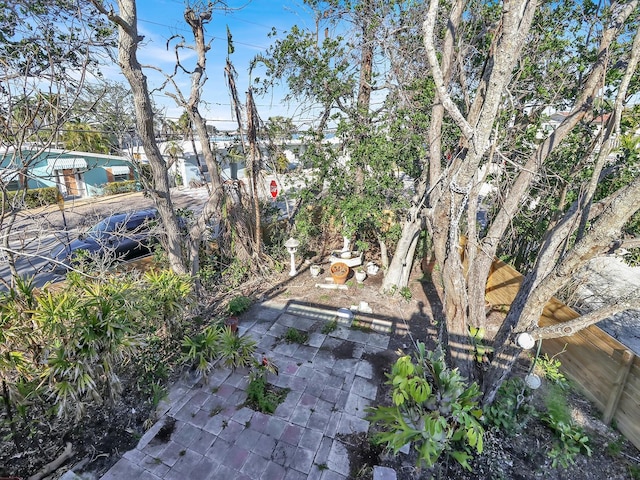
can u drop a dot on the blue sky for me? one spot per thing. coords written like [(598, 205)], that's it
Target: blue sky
[(250, 23)]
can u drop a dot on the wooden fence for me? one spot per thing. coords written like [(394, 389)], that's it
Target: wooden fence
[(606, 371)]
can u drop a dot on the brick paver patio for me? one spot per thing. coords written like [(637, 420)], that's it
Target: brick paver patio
[(206, 432)]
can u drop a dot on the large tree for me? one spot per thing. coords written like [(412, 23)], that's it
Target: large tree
[(332, 69), (478, 82), (125, 17), (236, 235), (183, 255), (47, 51), (527, 66), (108, 106)]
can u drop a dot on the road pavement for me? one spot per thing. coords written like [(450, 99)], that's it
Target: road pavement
[(38, 231), (603, 281)]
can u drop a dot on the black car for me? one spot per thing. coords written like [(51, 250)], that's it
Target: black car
[(121, 236)]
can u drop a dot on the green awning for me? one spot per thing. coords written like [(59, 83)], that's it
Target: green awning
[(66, 163), (119, 169)]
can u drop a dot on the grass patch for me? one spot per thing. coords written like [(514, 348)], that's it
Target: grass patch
[(263, 397), (329, 327), (293, 335)]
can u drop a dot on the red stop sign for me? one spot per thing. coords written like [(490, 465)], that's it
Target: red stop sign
[(273, 188)]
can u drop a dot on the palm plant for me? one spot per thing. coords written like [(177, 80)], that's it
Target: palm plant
[(236, 351), (202, 349), (171, 294), (91, 338)]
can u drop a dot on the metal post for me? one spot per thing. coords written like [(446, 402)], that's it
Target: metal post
[(60, 200)]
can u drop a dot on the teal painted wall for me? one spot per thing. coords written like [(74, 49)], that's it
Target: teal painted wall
[(94, 176)]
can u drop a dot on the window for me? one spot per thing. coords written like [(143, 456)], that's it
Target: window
[(140, 223), (10, 179), (118, 173), (12, 185)]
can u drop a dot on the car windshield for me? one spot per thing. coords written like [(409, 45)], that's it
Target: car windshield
[(119, 224), (104, 227)]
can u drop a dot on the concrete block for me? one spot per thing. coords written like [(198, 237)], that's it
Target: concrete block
[(338, 460), (384, 473)]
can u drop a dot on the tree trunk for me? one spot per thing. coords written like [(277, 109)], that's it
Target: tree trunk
[(128, 40), (256, 160), (397, 275), (459, 182), (363, 114), (214, 202), (384, 253)]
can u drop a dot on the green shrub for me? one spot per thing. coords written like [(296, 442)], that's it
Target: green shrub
[(114, 188), (238, 305), (89, 339), (632, 257), (218, 342), (202, 349), (433, 408), (209, 271), (405, 292), (481, 351), (64, 351), (294, 335), (262, 397), (236, 351), (571, 440), (510, 412), (330, 327), (235, 273), (34, 197), (167, 295), (549, 368), (614, 448)]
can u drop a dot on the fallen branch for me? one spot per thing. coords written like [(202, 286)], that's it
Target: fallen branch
[(54, 465)]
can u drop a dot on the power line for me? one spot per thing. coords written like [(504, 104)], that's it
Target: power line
[(177, 2), (214, 37)]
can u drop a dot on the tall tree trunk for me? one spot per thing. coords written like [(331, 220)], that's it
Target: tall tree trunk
[(363, 102), (458, 184), (402, 261), (213, 206), (397, 276), (255, 158), (128, 40), (244, 243)]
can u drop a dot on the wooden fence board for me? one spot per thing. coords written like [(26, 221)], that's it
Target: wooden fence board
[(626, 417), (633, 382), (591, 358)]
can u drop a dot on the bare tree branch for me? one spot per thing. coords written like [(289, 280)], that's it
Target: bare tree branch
[(566, 329)]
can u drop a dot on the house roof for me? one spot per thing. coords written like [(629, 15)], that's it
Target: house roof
[(601, 119), (58, 152)]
